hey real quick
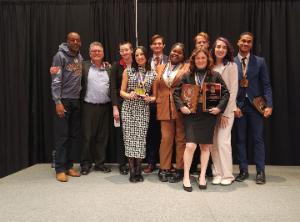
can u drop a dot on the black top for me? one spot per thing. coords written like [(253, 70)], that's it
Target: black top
[(211, 77)]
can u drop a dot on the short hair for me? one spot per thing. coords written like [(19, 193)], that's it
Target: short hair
[(144, 50), (157, 36), (95, 44), (210, 61), (181, 45), (125, 43), (72, 33), (247, 33), (203, 34), (229, 55)]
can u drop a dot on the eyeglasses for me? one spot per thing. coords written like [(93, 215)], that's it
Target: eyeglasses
[(94, 51)]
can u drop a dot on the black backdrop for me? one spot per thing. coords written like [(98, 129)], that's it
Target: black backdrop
[(31, 30)]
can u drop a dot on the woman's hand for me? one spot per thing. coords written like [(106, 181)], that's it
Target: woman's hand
[(223, 122), (214, 111), (147, 98), (185, 110), (132, 95)]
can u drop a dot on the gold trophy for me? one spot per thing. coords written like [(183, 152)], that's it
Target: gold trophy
[(140, 89)]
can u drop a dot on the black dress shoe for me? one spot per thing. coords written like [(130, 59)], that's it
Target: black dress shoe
[(163, 175), (187, 189), (85, 170), (132, 179), (139, 178), (242, 176), (102, 168), (260, 177), (176, 177), (123, 170)]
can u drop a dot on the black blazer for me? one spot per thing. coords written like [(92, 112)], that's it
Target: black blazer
[(211, 77), (116, 74)]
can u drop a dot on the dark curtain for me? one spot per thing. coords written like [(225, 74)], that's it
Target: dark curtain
[(276, 31), (30, 32)]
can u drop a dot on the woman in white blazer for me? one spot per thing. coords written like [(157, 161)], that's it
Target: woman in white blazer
[(222, 53)]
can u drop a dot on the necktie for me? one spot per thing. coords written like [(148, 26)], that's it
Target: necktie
[(156, 61), (244, 64)]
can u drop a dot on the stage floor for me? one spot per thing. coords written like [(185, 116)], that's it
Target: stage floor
[(33, 194)]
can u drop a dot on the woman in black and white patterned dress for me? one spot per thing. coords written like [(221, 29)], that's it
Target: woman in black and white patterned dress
[(136, 86)]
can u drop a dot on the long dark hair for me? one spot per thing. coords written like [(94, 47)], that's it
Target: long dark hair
[(134, 63), (229, 55)]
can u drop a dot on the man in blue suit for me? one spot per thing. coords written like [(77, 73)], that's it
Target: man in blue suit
[(253, 82)]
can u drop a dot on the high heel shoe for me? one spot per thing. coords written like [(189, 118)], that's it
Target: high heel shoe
[(203, 187), (187, 189)]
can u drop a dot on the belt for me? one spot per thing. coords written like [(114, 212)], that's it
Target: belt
[(96, 104)]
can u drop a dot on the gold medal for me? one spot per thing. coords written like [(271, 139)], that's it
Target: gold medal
[(244, 82)]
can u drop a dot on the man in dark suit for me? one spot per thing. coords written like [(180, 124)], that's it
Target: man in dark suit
[(154, 135), (96, 110), (253, 82)]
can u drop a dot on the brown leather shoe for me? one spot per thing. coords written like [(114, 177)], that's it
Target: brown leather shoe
[(61, 177), (149, 169), (73, 173)]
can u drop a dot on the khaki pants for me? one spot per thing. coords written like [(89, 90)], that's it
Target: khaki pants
[(170, 130)]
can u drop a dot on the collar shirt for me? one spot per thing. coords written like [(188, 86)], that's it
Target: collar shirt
[(246, 60), (97, 86)]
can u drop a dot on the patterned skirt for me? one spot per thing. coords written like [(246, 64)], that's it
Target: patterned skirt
[(135, 122)]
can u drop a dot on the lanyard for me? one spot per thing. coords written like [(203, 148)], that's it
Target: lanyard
[(200, 80)]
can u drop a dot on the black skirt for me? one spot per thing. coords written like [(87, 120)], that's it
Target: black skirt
[(199, 127)]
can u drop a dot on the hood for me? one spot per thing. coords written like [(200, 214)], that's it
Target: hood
[(65, 49)]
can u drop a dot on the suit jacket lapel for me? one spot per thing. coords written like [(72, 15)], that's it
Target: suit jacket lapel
[(251, 65)]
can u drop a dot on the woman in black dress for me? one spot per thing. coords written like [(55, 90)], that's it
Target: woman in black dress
[(199, 126)]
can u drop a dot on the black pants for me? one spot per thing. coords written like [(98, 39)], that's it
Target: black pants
[(66, 134), (153, 137), (119, 143), (96, 122)]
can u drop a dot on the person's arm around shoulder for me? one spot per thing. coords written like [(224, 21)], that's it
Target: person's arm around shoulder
[(56, 71)]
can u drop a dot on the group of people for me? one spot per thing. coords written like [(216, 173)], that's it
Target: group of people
[(145, 96)]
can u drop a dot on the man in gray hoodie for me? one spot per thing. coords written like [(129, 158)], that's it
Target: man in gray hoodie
[(66, 74)]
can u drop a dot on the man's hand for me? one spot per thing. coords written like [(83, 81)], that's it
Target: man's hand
[(268, 112), (238, 113), (60, 110), (116, 113)]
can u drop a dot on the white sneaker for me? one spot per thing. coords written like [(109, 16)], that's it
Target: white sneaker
[(216, 180), (226, 182)]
